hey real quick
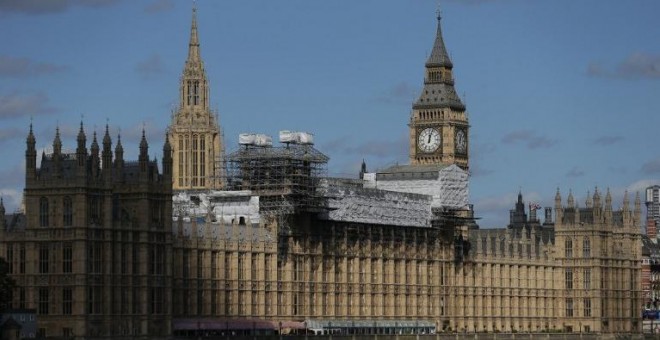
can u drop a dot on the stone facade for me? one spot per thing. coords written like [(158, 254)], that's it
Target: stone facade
[(194, 133), (101, 251), (92, 253), (581, 273)]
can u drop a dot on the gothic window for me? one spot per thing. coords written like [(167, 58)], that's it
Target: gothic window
[(586, 247), (241, 266), (95, 258), (181, 160), (186, 263), (587, 279), (10, 257), (587, 307), (569, 278), (200, 262), (43, 259), (43, 212), (202, 161), (95, 300), (135, 256), (195, 151), (67, 301), (157, 298), (569, 307), (568, 244), (67, 258), (21, 259), (94, 211), (67, 212), (189, 93), (228, 264), (43, 301), (253, 267), (196, 92)]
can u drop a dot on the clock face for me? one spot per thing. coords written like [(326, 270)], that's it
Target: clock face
[(461, 142), (429, 140)]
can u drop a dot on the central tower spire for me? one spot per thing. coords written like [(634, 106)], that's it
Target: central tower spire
[(193, 46), (194, 134)]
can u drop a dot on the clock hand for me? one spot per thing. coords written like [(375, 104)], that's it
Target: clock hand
[(429, 141)]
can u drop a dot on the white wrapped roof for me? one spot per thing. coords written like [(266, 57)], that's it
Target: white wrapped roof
[(448, 185)]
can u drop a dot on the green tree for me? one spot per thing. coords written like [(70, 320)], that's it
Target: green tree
[(7, 285)]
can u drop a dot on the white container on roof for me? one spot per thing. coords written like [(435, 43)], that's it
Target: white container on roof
[(291, 137), (256, 139)]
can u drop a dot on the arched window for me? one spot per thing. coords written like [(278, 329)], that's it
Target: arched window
[(568, 244), (67, 212), (586, 247), (43, 212)]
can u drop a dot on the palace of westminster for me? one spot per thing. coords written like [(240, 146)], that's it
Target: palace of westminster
[(261, 239)]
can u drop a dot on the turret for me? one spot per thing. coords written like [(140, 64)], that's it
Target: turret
[(119, 159), (570, 203), (57, 143), (3, 223), (558, 208), (144, 154), (106, 155), (596, 198), (57, 153), (95, 156), (167, 159), (30, 156), (589, 203), (607, 216), (577, 213), (598, 208), (81, 150), (625, 211)]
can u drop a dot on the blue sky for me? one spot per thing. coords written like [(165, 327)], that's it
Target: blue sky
[(560, 93)]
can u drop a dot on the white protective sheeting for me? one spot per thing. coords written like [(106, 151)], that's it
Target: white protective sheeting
[(350, 204), (223, 206), (447, 186)]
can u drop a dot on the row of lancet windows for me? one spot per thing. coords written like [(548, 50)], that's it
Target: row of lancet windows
[(193, 92), (196, 163), (523, 249), (586, 247), (67, 211)]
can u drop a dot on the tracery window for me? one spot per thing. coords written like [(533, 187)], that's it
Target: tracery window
[(568, 244), (67, 212), (586, 247), (43, 212)]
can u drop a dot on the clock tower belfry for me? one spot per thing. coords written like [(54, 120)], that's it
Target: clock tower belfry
[(438, 122)]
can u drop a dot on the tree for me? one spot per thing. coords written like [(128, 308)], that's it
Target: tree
[(7, 285)]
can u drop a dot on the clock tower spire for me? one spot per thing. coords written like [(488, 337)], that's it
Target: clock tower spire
[(438, 122)]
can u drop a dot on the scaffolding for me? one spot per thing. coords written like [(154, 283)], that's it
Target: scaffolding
[(284, 177)]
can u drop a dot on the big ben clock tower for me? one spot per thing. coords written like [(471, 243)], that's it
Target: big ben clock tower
[(438, 123)]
